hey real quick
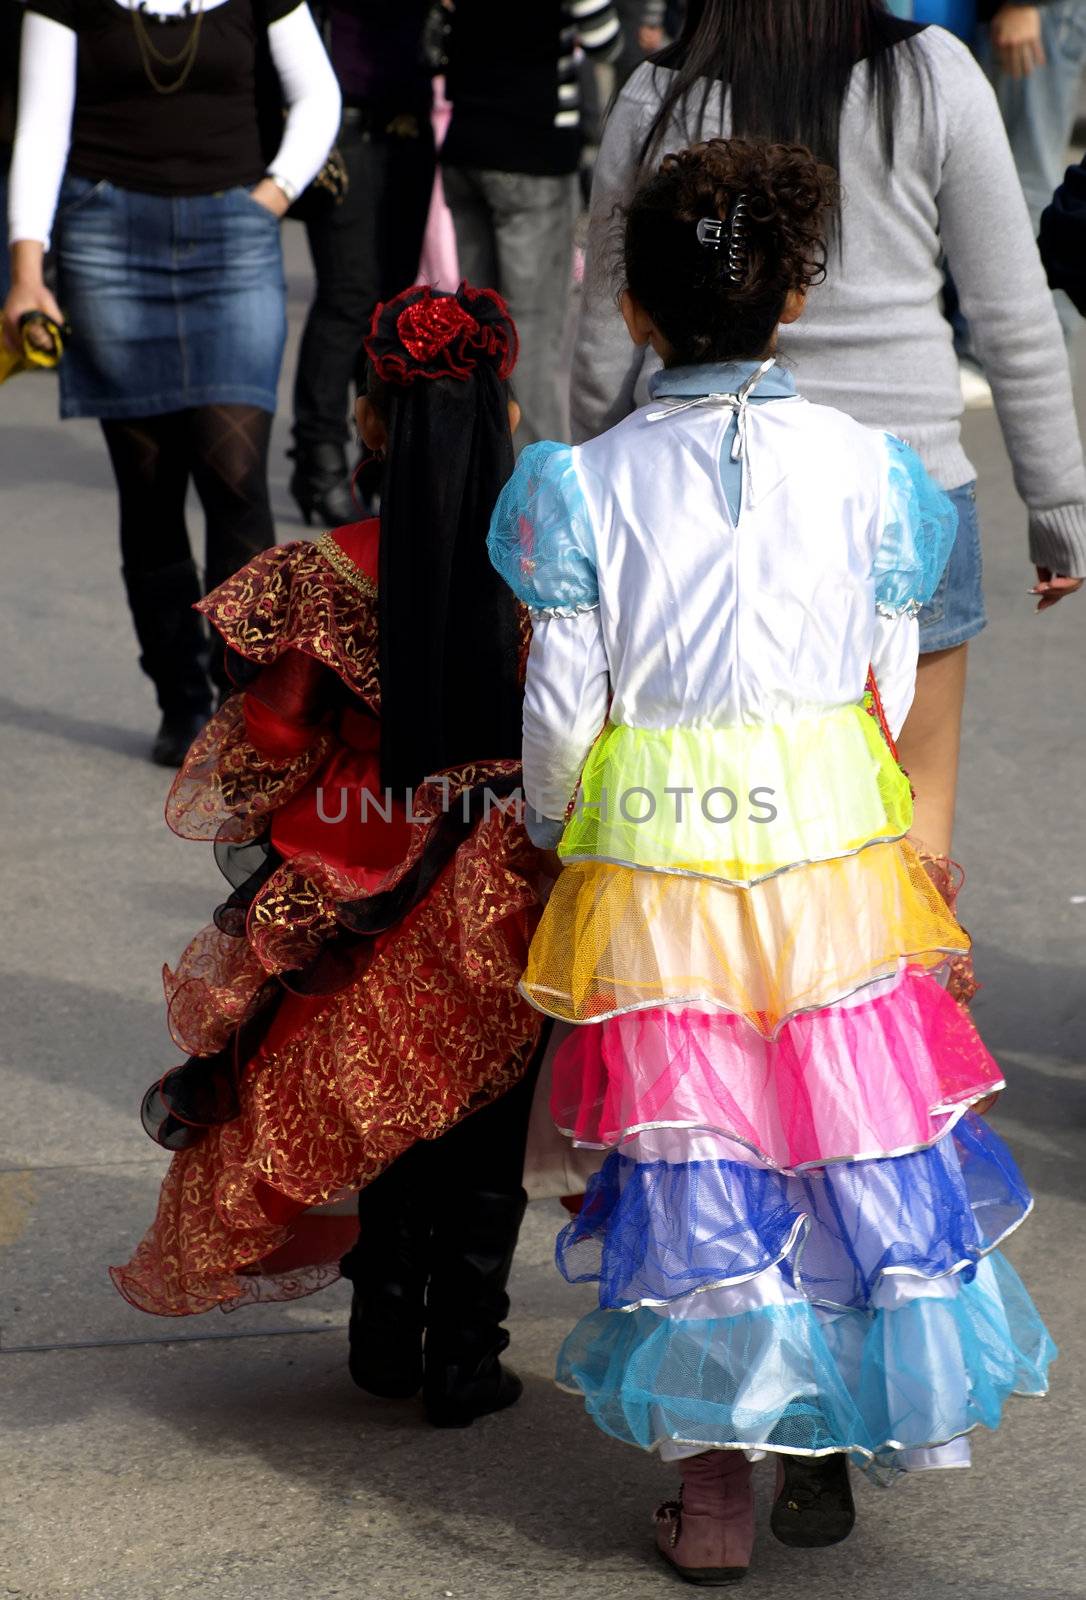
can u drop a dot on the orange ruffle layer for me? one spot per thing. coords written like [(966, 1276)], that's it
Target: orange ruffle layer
[(614, 939)]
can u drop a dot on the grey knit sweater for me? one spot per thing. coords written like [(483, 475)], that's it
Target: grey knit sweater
[(873, 340)]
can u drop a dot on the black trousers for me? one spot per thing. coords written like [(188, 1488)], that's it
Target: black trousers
[(483, 1152), (364, 251)]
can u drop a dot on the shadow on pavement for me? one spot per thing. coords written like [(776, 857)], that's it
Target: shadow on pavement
[(128, 742)]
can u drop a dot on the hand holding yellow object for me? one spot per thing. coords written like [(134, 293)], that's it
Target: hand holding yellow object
[(41, 344)]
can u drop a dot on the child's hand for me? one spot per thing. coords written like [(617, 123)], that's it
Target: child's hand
[(1051, 587), (982, 1107)]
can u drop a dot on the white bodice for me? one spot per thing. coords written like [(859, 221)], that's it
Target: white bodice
[(711, 621)]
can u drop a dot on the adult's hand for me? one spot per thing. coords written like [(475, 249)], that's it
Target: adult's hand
[(1052, 586), (24, 297), (271, 197), (1016, 39)]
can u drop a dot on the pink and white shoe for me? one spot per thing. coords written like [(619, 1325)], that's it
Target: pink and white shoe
[(708, 1533)]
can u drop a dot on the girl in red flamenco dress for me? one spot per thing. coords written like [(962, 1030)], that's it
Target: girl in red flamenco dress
[(351, 1016)]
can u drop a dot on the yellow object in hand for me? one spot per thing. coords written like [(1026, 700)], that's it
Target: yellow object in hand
[(41, 344)]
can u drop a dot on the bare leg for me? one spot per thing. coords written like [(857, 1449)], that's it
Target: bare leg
[(929, 745)]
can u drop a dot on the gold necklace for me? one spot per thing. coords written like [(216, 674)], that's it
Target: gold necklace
[(183, 61)]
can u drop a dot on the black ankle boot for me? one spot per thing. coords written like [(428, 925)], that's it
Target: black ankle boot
[(474, 1241), (176, 732), (388, 1267), (173, 653), (814, 1505), (320, 483)]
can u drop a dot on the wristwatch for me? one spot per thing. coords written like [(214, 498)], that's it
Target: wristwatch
[(286, 189)]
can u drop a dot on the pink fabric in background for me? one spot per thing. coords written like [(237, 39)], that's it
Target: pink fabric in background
[(439, 265), (857, 1080)]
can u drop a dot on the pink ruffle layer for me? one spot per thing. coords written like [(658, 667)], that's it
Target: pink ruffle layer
[(873, 1076)]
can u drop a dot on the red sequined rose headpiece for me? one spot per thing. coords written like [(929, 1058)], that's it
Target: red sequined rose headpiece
[(425, 333)]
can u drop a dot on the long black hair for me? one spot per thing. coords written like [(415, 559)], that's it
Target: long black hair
[(787, 65), (449, 630)]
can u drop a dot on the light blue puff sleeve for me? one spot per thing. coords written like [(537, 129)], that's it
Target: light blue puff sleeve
[(918, 534), (540, 536)]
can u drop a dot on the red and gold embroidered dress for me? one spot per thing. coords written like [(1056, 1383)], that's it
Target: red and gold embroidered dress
[(358, 990)]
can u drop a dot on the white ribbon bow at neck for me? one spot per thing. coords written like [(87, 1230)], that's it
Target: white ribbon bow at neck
[(737, 403)]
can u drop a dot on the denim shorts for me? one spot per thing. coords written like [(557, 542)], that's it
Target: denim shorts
[(174, 301), (956, 611)]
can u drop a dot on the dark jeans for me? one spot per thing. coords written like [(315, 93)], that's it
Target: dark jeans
[(364, 251)]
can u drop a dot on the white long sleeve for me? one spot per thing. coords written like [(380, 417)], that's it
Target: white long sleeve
[(565, 703), (47, 82), (894, 655), (43, 128), (311, 92)]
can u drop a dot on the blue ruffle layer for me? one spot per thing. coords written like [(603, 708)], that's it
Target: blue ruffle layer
[(790, 1378), (655, 1232)]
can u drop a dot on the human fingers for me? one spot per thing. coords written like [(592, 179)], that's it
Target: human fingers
[(1051, 587)]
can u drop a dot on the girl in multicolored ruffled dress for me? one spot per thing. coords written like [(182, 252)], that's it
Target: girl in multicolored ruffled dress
[(794, 1231)]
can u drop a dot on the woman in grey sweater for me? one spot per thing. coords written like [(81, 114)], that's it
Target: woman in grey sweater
[(911, 122)]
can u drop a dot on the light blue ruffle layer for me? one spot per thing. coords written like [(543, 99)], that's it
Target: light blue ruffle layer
[(540, 537), (918, 533), (789, 1378), (658, 1231)]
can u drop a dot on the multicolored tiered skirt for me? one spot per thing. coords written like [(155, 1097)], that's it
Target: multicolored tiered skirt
[(795, 1231)]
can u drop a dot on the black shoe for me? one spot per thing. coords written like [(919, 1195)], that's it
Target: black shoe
[(814, 1505), (472, 1255), (320, 483), (455, 1393), (175, 734)]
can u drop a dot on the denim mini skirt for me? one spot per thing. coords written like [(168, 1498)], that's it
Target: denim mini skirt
[(173, 301), (955, 612)]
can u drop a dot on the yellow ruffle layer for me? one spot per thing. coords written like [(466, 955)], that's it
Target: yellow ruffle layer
[(613, 939)]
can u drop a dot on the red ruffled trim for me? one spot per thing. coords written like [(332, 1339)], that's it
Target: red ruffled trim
[(228, 788), (293, 598), (948, 878)]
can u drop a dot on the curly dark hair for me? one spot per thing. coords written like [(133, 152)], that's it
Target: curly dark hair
[(712, 304)]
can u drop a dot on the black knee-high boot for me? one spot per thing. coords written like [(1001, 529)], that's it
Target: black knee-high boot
[(389, 1267), (173, 653), (475, 1237)]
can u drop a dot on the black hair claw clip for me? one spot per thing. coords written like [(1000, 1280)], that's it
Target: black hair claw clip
[(738, 245)]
